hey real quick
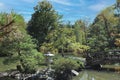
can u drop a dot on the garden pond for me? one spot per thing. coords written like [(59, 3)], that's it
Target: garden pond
[(97, 75)]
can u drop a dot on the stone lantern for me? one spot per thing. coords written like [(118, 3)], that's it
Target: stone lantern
[(49, 59)]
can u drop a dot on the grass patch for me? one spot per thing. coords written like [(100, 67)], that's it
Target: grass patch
[(112, 67), (6, 64)]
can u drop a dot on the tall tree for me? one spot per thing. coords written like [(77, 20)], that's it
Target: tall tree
[(80, 31), (43, 20), (18, 43), (102, 29), (117, 8), (117, 12), (117, 15)]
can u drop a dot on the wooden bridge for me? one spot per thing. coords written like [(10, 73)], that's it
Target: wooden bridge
[(102, 58)]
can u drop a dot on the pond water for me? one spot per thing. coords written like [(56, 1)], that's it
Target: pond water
[(97, 75)]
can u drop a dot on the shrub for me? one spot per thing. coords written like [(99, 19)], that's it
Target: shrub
[(30, 62), (29, 65), (39, 57), (63, 68), (77, 48)]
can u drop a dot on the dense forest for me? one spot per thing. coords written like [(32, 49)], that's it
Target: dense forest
[(25, 43)]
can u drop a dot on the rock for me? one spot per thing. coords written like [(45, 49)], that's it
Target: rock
[(2, 74), (75, 72)]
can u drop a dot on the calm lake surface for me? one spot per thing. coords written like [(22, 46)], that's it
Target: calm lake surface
[(97, 75)]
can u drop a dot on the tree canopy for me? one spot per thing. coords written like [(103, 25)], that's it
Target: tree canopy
[(43, 20)]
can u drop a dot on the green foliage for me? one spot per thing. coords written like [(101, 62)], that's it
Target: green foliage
[(28, 64), (29, 56), (117, 6), (102, 31), (77, 48), (58, 40), (5, 66), (39, 57), (44, 26), (19, 44), (10, 27), (9, 22), (80, 31), (5, 18), (63, 68), (63, 40), (6, 48), (43, 20), (48, 47), (81, 64), (118, 1)]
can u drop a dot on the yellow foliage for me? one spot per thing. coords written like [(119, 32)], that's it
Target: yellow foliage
[(117, 42), (118, 1)]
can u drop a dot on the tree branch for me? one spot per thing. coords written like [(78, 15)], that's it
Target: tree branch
[(7, 25)]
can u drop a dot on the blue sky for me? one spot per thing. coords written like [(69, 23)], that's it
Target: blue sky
[(71, 10)]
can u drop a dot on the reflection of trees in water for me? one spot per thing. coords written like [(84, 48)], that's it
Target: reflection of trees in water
[(84, 76), (91, 77), (97, 75)]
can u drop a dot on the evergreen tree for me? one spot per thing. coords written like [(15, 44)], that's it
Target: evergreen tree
[(43, 20), (17, 44), (6, 22), (101, 37)]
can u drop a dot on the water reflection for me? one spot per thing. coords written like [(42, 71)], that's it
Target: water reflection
[(97, 75)]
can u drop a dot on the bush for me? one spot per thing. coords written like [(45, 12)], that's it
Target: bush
[(63, 68), (77, 48), (81, 65), (28, 65), (30, 62), (39, 57)]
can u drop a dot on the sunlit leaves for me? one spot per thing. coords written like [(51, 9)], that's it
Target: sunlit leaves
[(117, 42), (80, 31)]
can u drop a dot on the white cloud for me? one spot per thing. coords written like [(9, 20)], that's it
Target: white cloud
[(99, 6), (63, 2), (2, 5)]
